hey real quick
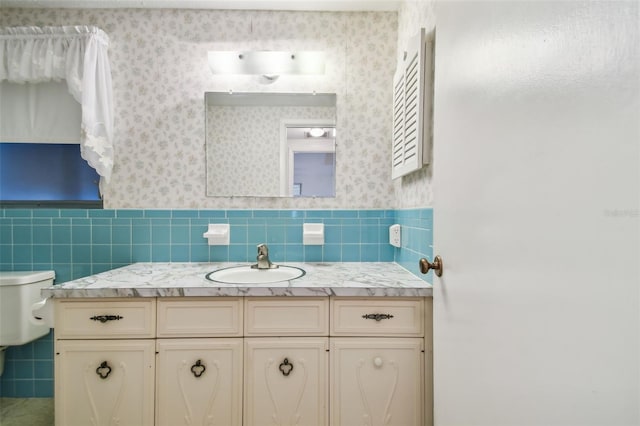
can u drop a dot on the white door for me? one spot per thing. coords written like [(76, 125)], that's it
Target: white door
[(537, 213)]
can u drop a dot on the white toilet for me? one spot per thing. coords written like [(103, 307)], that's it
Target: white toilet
[(19, 291)]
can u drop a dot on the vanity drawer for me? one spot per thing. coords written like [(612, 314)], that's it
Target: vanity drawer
[(105, 318), (377, 317), (286, 316), (199, 317)]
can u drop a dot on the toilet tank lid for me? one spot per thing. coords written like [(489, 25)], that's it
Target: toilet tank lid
[(25, 277)]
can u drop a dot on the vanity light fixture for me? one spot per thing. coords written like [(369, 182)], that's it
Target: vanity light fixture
[(268, 64)]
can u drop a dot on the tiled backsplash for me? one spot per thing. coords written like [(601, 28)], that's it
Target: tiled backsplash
[(79, 242), (417, 239)]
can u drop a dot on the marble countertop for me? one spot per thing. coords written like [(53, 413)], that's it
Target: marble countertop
[(188, 279)]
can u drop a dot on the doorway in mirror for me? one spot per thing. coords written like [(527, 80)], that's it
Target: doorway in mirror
[(308, 158)]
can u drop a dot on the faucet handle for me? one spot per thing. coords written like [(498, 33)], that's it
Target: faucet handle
[(263, 258)]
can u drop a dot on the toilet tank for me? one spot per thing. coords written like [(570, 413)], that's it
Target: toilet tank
[(18, 292)]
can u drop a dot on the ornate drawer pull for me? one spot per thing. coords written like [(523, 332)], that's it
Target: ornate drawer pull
[(105, 318), (377, 317), (285, 367), (198, 368), (103, 370)]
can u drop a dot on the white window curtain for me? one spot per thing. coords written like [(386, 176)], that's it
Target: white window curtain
[(78, 55)]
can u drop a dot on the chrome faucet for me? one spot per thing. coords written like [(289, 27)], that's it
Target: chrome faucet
[(263, 258)]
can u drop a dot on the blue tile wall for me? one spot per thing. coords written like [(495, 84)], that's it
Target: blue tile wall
[(416, 227), (28, 370), (79, 242)]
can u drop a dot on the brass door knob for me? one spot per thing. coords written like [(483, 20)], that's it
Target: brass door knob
[(437, 265)]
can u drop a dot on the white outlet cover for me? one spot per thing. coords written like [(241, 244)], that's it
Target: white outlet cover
[(395, 237)]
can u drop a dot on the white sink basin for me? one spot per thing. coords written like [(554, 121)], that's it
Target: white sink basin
[(247, 275)]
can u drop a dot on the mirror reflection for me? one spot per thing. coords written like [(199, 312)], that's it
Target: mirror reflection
[(270, 144)]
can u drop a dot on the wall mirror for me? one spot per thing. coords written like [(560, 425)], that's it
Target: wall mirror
[(270, 144)]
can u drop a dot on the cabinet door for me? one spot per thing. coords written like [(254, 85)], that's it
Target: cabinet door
[(377, 381), (286, 381), (104, 382), (199, 382)]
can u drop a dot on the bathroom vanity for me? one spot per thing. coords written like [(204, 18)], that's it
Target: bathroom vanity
[(154, 343)]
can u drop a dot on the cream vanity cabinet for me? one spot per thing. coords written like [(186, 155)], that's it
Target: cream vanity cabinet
[(105, 361), (241, 361), (377, 361), (286, 361), (199, 361)]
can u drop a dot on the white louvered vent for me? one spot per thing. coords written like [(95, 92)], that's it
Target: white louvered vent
[(412, 102)]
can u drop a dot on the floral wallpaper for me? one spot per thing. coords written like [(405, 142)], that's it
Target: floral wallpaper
[(243, 146), (415, 189), (160, 73)]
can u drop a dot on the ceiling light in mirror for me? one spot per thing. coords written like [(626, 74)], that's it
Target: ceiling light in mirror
[(316, 132)]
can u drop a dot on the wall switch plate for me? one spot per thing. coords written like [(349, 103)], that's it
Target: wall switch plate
[(395, 237)]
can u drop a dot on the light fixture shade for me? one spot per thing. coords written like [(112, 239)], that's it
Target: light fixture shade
[(267, 62)]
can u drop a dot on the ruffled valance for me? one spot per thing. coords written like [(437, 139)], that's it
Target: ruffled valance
[(77, 55)]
